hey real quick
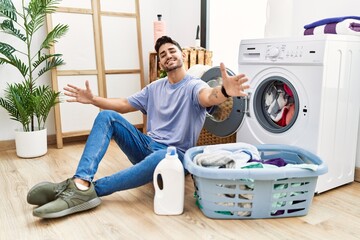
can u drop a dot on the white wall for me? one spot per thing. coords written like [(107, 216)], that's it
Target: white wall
[(288, 17), (181, 19), (231, 21)]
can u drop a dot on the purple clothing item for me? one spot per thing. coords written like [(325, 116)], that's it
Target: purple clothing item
[(309, 31), (330, 20), (355, 26), (275, 161), (330, 28)]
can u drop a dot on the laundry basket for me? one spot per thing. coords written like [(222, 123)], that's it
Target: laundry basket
[(256, 192)]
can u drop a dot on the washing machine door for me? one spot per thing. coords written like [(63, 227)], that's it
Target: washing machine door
[(225, 119), (275, 103)]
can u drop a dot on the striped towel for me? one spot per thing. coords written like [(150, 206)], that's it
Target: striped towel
[(345, 25)]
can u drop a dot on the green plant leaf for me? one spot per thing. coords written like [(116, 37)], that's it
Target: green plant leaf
[(4, 60), (19, 64), (43, 99), (8, 10), (8, 27), (58, 31), (26, 101), (6, 49), (39, 7), (35, 24), (18, 104), (162, 74), (43, 58), (16, 62), (54, 62), (37, 11)]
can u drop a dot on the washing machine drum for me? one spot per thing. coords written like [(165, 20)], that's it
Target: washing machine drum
[(223, 120)]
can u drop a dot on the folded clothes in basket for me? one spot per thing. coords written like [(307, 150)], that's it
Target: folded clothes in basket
[(349, 25)]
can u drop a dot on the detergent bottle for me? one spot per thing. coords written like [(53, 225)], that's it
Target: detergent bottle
[(169, 183), (159, 28)]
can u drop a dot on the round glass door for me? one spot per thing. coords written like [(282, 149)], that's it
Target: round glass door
[(276, 104), (224, 119)]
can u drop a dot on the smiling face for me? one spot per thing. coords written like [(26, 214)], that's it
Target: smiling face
[(170, 57)]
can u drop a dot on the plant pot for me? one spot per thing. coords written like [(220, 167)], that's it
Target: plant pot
[(30, 144)]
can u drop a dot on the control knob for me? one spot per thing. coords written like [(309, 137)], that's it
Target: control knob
[(273, 52)]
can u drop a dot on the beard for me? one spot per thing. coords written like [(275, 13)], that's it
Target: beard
[(172, 67)]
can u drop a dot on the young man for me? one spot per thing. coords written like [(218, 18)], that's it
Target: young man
[(178, 101)]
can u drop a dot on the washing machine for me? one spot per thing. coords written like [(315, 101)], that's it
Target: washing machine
[(304, 91)]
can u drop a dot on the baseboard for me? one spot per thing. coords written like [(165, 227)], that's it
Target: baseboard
[(357, 174), (10, 144), (7, 145)]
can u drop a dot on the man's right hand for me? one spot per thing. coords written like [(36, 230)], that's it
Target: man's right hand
[(79, 95)]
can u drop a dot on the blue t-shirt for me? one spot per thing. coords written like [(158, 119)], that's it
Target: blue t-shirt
[(174, 114)]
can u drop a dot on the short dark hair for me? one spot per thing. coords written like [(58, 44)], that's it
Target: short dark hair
[(165, 39)]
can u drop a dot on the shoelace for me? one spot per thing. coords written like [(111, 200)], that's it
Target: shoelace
[(67, 193), (61, 189)]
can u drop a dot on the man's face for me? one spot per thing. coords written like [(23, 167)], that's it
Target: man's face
[(170, 57)]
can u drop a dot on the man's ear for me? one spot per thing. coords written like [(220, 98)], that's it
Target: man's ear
[(160, 67), (183, 55)]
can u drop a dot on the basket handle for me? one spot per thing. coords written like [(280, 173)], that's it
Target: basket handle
[(288, 148), (260, 174)]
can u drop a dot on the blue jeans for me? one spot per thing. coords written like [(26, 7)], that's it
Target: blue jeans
[(143, 152)]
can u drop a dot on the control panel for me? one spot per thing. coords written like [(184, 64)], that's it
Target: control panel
[(274, 52), (308, 52)]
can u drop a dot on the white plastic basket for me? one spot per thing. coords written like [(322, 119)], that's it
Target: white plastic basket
[(256, 192)]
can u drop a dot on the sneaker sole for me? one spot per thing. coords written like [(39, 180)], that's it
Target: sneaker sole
[(78, 208)]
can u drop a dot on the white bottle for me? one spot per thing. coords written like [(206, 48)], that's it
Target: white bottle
[(169, 196)]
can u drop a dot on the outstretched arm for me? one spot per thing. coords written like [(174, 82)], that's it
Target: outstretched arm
[(233, 85), (85, 96)]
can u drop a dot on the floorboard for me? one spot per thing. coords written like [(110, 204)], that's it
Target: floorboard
[(129, 214)]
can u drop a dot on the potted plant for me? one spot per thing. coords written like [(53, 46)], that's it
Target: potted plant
[(29, 102)]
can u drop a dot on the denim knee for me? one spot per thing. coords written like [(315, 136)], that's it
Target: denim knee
[(109, 116), (105, 114)]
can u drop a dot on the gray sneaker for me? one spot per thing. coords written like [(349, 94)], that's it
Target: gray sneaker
[(69, 201), (45, 192)]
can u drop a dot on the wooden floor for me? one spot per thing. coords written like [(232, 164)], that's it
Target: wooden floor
[(129, 214)]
